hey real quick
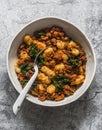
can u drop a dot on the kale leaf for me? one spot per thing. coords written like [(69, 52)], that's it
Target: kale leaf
[(74, 62), (24, 82), (60, 81), (24, 68), (39, 34), (33, 50), (41, 60)]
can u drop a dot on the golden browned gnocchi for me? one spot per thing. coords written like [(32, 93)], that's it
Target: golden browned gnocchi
[(75, 51), (51, 89), (65, 58), (47, 71), (72, 44), (40, 45), (62, 65), (60, 44), (27, 39), (17, 69), (43, 78), (78, 80), (40, 87), (24, 55), (48, 52)]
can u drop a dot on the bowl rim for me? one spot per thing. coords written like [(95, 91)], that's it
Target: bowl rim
[(80, 30)]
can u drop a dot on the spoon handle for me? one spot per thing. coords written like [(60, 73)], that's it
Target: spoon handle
[(22, 95)]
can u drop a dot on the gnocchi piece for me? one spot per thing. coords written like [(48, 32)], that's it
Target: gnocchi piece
[(48, 52), (79, 79), (59, 67), (75, 51), (51, 89), (40, 45), (82, 69), (60, 44), (40, 87), (43, 78), (64, 57), (24, 55), (28, 40), (72, 44), (47, 71), (55, 34), (17, 69)]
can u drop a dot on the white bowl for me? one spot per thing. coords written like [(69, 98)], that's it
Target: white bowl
[(75, 34)]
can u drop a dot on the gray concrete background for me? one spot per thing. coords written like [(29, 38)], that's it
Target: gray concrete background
[(84, 114)]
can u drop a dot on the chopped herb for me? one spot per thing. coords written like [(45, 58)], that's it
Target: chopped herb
[(74, 62), (41, 60), (24, 68), (24, 82), (60, 81), (33, 50)]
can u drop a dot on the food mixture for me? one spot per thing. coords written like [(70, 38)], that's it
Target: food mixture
[(62, 65)]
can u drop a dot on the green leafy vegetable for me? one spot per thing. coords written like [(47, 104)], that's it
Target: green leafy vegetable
[(33, 50), (41, 60), (74, 62), (24, 68), (24, 82), (39, 34), (60, 81)]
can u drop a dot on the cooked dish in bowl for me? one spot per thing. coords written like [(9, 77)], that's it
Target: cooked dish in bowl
[(62, 65)]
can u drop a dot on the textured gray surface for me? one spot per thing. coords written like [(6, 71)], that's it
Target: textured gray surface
[(84, 114)]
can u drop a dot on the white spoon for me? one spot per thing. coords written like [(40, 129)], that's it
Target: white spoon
[(21, 97)]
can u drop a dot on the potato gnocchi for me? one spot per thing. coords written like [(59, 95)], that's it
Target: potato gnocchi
[(62, 65)]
